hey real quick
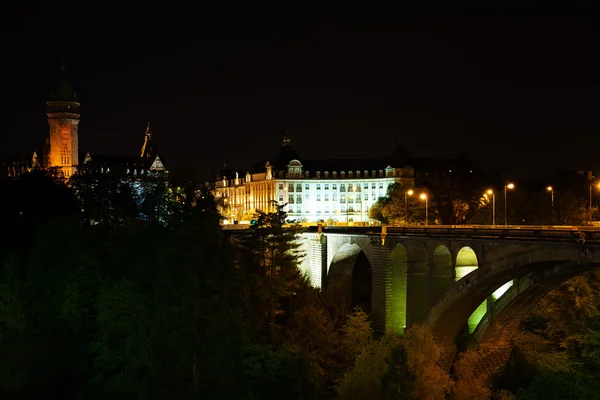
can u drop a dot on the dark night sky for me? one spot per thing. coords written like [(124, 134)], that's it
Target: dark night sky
[(518, 93)]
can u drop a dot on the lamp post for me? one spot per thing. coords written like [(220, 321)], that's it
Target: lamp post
[(491, 192), (598, 185), (424, 197), (406, 194), (551, 190), (509, 186)]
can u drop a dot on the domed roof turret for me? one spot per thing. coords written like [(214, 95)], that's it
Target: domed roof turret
[(225, 173)]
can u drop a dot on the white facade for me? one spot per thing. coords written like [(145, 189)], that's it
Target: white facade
[(327, 196)]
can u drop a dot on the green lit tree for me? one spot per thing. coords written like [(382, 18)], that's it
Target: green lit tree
[(270, 255)]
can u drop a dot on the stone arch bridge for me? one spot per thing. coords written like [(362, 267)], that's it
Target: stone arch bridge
[(449, 278)]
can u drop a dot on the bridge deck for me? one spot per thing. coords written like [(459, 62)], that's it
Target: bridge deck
[(581, 234)]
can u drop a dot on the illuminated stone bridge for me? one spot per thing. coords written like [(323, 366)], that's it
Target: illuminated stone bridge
[(449, 278), (484, 279)]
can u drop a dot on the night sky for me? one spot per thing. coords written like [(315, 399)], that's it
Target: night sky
[(517, 93)]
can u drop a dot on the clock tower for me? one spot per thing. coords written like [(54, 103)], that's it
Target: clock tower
[(62, 111)]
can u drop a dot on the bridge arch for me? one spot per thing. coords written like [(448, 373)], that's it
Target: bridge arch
[(350, 273), (467, 262), (503, 321), (448, 315)]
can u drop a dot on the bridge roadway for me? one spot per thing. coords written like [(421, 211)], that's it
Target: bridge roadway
[(518, 232), (515, 232)]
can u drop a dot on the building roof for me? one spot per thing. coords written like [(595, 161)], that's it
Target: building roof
[(63, 91)]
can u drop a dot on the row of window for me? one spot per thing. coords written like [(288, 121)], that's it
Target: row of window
[(326, 210), (294, 173), (334, 197), (334, 186)]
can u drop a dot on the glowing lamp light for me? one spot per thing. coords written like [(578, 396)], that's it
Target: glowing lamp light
[(510, 186), (410, 192), (490, 192), (549, 188), (423, 196)]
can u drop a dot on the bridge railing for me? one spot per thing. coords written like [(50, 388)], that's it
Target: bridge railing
[(580, 234)]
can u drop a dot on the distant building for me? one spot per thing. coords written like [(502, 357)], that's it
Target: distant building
[(334, 191), (61, 150)]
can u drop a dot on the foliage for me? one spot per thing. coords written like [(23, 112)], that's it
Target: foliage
[(110, 200), (561, 386), (269, 257), (398, 208), (468, 384), (424, 357), (323, 337), (367, 379)]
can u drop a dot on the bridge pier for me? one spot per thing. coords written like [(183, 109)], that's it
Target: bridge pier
[(318, 261), (381, 295)]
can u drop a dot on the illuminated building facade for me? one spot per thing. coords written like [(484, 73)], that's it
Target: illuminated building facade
[(329, 191)]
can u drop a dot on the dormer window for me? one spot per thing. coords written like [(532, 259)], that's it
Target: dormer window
[(342, 174), (366, 174), (334, 174), (381, 173), (318, 174), (358, 174), (326, 174), (350, 174), (373, 174)]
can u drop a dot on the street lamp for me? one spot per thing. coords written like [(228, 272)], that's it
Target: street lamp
[(551, 190), (424, 197), (491, 193), (598, 185), (406, 194), (509, 186)]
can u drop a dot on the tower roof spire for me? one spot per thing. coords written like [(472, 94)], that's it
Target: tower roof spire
[(63, 91), (147, 147)]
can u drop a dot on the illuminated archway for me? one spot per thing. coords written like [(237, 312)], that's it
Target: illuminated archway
[(399, 286), (441, 264), (466, 262), (350, 274)]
